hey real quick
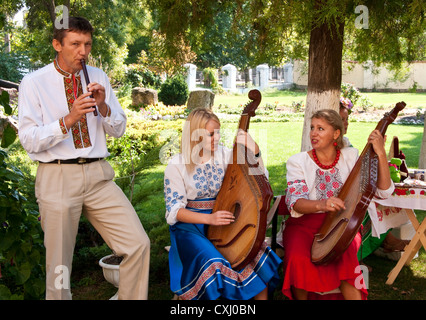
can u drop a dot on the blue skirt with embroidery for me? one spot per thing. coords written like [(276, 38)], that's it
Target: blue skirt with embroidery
[(199, 272)]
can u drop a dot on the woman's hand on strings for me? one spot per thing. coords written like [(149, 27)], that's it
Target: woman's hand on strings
[(333, 204), (245, 139), (378, 142), (221, 218)]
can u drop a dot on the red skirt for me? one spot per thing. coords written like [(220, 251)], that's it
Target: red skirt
[(300, 272)]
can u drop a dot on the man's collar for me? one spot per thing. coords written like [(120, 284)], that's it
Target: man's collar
[(61, 71)]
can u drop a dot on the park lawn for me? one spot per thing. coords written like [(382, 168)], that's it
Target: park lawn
[(413, 100), (270, 96), (288, 97)]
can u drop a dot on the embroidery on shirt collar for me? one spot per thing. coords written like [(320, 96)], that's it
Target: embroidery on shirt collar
[(63, 72), (80, 130)]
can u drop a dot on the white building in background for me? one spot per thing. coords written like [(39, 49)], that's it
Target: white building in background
[(366, 76)]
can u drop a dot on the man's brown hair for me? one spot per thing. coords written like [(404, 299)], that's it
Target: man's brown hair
[(75, 24)]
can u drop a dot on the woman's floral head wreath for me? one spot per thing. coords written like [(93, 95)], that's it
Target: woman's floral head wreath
[(346, 103)]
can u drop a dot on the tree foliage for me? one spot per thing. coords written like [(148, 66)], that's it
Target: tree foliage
[(243, 32), (116, 24), (160, 62), (278, 30), (224, 31), (396, 33)]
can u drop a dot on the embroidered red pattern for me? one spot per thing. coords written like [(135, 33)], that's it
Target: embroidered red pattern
[(62, 125), (297, 189), (327, 183), (80, 131), (208, 204)]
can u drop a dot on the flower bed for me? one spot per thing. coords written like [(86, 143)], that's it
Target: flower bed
[(162, 112)]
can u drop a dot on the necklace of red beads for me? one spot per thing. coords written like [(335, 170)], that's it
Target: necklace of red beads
[(314, 155)]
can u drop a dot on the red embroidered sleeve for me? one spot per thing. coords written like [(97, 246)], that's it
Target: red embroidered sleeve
[(62, 125), (296, 190)]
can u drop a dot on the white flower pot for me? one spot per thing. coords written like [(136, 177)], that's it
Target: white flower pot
[(111, 274)]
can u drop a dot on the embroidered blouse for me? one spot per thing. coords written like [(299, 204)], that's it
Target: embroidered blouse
[(305, 180), (204, 182), (45, 98)]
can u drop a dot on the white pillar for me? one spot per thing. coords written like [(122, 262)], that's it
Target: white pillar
[(250, 75), (229, 79), (262, 75), (368, 75), (288, 73), (191, 76)]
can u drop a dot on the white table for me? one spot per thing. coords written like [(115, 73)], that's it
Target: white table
[(396, 210)]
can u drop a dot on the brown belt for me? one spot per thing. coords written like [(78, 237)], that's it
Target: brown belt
[(74, 161)]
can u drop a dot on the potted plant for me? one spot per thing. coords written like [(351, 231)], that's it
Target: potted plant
[(110, 265)]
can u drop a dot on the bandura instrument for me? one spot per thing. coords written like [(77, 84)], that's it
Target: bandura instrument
[(246, 193), (339, 228), (86, 77)]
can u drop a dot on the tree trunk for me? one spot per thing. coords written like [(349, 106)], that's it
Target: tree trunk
[(422, 158), (325, 73), (51, 6)]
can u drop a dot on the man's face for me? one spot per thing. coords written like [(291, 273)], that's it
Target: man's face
[(74, 47)]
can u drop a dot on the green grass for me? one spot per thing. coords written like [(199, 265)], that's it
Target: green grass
[(389, 99), (410, 138), (270, 96), (287, 97)]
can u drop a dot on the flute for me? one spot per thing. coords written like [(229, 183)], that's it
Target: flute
[(86, 76)]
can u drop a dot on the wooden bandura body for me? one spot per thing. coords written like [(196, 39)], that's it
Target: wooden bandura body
[(246, 193), (339, 228)]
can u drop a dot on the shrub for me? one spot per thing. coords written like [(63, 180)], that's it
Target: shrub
[(210, 77), (21, 240), (138, 76), (350, 91), (365, 103), (174, 91), (138, 149)]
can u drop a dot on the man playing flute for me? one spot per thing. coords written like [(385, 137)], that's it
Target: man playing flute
[(58, 128)]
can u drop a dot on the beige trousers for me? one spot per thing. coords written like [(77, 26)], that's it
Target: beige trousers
[(63, 192)]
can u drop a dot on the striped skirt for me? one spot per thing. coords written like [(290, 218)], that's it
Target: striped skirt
[(199, 272)]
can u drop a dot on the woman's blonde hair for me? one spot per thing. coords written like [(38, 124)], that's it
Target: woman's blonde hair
[(333, 118), (191, 136)]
